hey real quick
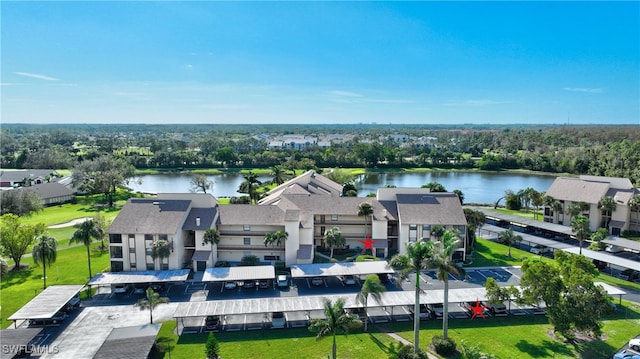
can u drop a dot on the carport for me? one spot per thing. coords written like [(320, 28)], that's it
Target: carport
[(46, 304), (525, 222), (605, 257), (17, 340), (623, 243), (530, 239), (238, 274), (129, 342), (339, 269), (163, 276)]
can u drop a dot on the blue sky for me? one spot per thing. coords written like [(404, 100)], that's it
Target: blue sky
[(320, 62)]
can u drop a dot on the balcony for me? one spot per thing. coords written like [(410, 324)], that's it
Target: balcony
[(240, 247)]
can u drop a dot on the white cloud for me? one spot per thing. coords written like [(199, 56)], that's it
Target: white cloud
[(584, 89), (344, 93), (36, 76)]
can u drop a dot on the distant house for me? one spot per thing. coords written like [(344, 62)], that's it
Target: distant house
[(590, 190), (50, 193), (304, 207), (21, 178)]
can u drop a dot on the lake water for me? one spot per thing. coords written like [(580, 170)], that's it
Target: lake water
[(477, 187)]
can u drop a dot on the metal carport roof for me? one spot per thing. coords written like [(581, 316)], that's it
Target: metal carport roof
[(624, 243), (129, 342), (342, 268), (558, 228), (605, 257), (531, 239), (229, 274), (108, 278), (46, 304), (14, 339)]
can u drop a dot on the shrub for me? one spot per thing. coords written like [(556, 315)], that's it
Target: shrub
[(249, 260), (470, 351), (443, 346), (212, 348), (406, 352), (365, 257)]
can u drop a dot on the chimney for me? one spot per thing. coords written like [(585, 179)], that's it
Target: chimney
[(384, 213), (198, 221)]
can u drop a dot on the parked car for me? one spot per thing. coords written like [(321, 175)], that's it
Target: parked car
[(437, 309), (248, 284), (425, 312), (263, 284), (498, 309), (56, 319), (627, 354), (283, 281), (139, 288), (538, 249), (384, 277), (634, 344), (212, 323), (630, 275), (120, 288), (158, 287), (230, 285), (278, 320), (349, 280), (72, 304), (317, 281)]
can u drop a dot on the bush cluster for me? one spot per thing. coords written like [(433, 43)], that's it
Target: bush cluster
[(443, 346)]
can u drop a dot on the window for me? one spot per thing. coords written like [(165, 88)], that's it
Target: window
[(163, 237), (116, 252), (148, 237), (413, 233), (148, 251), (132, 265), (334, 217), (246, 228), (426, 229), (247, 241), (117, 266), (115, 238), (271, 258), (132, 250), (322, 230), (150, 266)]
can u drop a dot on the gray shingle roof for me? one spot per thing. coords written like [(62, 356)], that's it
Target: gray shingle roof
[(247, 214), (576, 190), (49, 190), (433, 208), (129, 342), (19, 175), (150, 216)]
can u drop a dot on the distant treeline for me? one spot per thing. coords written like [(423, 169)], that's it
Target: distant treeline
[(595, 150)]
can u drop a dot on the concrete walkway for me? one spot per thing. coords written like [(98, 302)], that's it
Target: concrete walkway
[(70, 223)]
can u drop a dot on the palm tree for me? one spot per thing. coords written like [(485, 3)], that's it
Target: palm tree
[(104, 224), (437, 231), (337, 321), (371, 286), (278, 175), (151, 302), (334, 238), (86, 232), (413, 262), (211, 236), (607, 205), (475, 220), (434, 187), (460, 195), (441, 259), (160, 249), (45, 251), (365, 210), (580, 227), (250, 186), (537, 200), (275, 238), (509, 238)]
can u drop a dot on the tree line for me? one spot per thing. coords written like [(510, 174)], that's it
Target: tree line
[(594, 150)]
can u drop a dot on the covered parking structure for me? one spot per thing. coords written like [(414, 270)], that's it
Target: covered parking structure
[(46, 304), (160, 276), (525, 222), (531, 240), (17, 341), (606, 257), (623, 243), (239, 274), (340, 269), (129, 342)]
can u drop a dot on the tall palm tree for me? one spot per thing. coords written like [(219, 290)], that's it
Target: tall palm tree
[(337, 321), (460, 195), (334, 238), (475, 220), (160, 249), (86, 232), (413, 262), (45, 252), (275, 238), (509, 238), (441, 259), (371, 286), (580, 227), (537, 200), (365, 210), (151, 302), (211, 236), (607, 205), (104, 224)]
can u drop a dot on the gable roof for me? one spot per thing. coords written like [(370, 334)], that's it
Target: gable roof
[(150, 216), (19, 175), (576, 190), (439, 208), (206, 216), (315, 204), (307, 183)]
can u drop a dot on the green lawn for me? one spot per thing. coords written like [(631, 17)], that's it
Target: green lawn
[(488, 253), (18, 288), (289, 343), (521, 213)]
